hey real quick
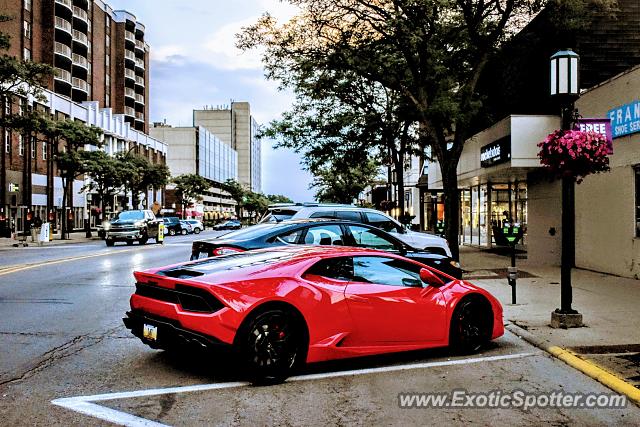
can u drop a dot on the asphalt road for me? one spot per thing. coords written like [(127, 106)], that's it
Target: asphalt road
[(61, 337)]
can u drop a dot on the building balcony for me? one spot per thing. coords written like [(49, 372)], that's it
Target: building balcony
[(80, 84), (129, 74), (140, 45), (62, 49), (139, 98), (63, 24), (80, 61), (129, 55), (139, 116), (140, 63), (80, 14), (128, 111), (140, 81), (129, 36), (66, 3), (80, 37), (130, 93), (62, 75)]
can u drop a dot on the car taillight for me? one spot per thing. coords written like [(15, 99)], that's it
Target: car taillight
[(225, 250)]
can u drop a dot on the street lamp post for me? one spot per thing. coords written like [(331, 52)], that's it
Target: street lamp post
[(565, 88)]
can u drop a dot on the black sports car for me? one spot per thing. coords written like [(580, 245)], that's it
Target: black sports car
[(319, 232)]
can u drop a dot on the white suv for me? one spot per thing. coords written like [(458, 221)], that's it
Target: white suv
[(429, 242)]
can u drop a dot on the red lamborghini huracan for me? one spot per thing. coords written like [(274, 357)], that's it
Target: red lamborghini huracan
[(279, 308)]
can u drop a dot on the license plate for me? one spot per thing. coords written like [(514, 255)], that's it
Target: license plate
[(150, 332)]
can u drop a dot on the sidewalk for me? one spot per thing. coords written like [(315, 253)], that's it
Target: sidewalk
[(75, 237), (610, 306)]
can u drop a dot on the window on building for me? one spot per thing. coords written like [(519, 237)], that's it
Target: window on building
[(108, 21), (33, 150), (26, 54), (107, 41), (107, 61), (107, 100), (44, 150), (107, 81), (637, 170), (27, 4), (7, 141), (20, 146), (27, 29)]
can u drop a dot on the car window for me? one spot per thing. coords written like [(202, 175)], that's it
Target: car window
[(381, 221), (323, 214), (292, 237), (334, 268), (385, 271), (349, 216), (367, 238), (324, 235), (130, 215)]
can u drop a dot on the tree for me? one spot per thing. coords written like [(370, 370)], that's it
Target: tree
[(255, 203), (138, 174), (339, 184), (103, 171), (237, 193), (190, 187), (278, 198), (76, 135), (431, 52), (17, 78)]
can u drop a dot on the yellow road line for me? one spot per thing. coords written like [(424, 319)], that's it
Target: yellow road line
[(23, 267), (589, 368)]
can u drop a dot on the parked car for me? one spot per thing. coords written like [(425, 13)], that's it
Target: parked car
[(172, 226), (195, 225), (232, 224), (426, 241), (131, 226), (186, 227), (324, 232), (280, 308)]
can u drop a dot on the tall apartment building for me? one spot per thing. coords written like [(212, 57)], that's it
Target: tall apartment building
[(236, 127), (99, 54)]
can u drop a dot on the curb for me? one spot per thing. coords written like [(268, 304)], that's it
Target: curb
[(588, 368)]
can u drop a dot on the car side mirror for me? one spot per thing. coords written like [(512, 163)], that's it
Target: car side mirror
[(430, 279)]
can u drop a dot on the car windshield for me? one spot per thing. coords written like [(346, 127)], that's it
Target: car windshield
[(128, 215), (233, 261)]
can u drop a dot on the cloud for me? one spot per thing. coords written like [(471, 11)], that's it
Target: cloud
[(168, 53)]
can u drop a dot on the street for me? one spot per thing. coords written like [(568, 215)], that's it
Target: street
[(63, 340)]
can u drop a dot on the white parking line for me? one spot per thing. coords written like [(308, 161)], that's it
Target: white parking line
[(85, 404)]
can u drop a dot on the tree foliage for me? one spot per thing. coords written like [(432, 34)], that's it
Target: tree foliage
[(342, 184), (189, 188), (431, 52)]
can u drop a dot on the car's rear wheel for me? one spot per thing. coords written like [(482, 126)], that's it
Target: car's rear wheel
[(197, 230), (143, 240), (109, 242), (272, 345), (172, 232), (129, 242), (471, 325)]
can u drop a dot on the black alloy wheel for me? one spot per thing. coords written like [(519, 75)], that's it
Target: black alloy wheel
[(272, 345), (471, 325)]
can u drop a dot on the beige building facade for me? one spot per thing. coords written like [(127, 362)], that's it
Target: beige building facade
[(236, 127)]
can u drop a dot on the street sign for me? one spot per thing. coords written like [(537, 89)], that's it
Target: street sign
[(13, 188)]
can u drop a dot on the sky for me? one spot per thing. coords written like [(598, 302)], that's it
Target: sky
[(194, 63)]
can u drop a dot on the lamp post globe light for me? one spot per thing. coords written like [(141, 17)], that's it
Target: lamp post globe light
[(565, 88)]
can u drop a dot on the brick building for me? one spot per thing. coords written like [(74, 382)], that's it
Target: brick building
[(101, 64), (99, 54)]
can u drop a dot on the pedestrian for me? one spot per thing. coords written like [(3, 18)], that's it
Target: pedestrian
[(36, 225)]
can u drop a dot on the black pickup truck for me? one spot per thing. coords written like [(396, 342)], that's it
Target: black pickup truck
[(130, 226)]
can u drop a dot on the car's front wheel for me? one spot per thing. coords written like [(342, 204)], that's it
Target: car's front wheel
[(272, 345), (183, 232), (471, 325), (172, 232)]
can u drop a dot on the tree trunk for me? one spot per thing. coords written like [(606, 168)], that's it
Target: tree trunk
[(399, 167), (449, 172), (63, 222)]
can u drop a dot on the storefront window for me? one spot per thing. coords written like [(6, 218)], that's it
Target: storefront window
[(465, 217)]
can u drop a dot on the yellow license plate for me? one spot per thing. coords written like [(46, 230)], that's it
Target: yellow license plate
[(150, 332)]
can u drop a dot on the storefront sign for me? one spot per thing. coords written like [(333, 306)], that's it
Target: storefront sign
[(601, 126), (625, 119), (13, 188), (495, 153)]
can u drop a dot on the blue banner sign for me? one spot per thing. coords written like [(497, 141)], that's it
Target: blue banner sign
[(625, 119)]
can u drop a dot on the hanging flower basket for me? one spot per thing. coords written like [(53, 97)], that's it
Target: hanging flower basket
[(573, 153)]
